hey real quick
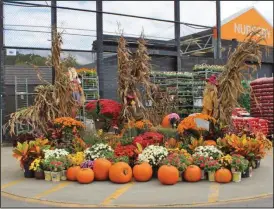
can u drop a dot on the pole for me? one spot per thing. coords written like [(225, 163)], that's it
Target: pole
[(53, 31), (177, 33), (218, 18), (1, 65), (99, 45)]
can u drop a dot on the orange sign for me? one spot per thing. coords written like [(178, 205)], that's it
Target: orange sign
[(239, 27)]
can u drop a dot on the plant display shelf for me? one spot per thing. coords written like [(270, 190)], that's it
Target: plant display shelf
[(90, 86), (177, 84), (199, 82)]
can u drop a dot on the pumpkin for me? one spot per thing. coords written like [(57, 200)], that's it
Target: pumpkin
[(168, 174), (142, 172), (209, 143), (166, 122), (85, 176), (72, 173), (192, 173), (223, 175), (120, 173), (101, 169)]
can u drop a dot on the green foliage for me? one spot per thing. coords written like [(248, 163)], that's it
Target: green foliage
[(91, 139), (244, 99), (167, 132)]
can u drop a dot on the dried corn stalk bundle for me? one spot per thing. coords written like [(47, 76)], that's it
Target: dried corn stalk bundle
[(142, 68), (230, 87), (133, 73), (51, 101), (210, 102)]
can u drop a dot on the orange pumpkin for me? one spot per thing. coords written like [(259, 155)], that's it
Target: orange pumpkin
[(142, 172), (85, 176), (193, 173), (168, 174), (166, 122), (223, 175), (209, 142), (101, 169), (72, 173), (120, 173)]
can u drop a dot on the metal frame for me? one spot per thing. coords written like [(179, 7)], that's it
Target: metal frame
[(194, 42)]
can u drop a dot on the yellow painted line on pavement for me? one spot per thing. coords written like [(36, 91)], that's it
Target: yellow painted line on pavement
[(117, 193), (53, 189), (12, 183), (214, 193), (78, 205)]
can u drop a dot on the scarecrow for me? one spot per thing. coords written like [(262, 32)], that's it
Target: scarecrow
[(210, 96), (78, 93)]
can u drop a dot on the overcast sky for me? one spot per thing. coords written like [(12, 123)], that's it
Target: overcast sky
[(197, 12)]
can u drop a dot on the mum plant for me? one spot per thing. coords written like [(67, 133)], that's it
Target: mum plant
[(37, 165), (148, 138), (153, 155), (76, 159), (226, 161), (106, 111), (87, 164), (177, 160), (208, 151), (98, 151), (239, 163), (56, 153), (200, 160), (212, 165)]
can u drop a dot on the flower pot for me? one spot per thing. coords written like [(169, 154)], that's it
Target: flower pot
[(211, 175), (39, 174), (47, 175), (247, 173), (27, 172), (55, 176), (64, 175), (155, 173), (237, 176), (257, 163), (203, 176), (180, 176)]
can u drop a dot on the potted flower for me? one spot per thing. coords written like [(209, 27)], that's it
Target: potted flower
[(238, 165), (56, 166), (177, 160), (209, 151), (46, 166), (36, 166), (153, 155), (211, 166), (97, 151), (87, 164), (66, 165), (226, 161), (22, 153), (200, 161)]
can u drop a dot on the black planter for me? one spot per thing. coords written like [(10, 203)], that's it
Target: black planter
[(247, 173), (257, 163), (155, 173), (27, 172)]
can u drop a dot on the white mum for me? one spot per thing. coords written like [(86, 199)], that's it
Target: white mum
[(55, 153), (97, 151), (208, 151), (153, 154)]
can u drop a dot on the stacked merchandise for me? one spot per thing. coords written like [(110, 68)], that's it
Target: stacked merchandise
[(200, 74), (178, 85), (242, 121), (262, 101)]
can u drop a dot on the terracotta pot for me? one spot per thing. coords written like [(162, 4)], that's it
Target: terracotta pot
[(39, 174)]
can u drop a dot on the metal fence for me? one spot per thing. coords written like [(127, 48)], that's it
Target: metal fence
[(26, 29)]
